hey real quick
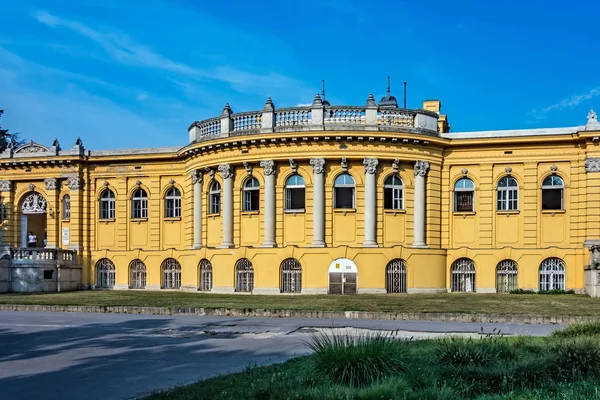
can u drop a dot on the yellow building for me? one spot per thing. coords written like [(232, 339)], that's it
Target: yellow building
[(315, 199)]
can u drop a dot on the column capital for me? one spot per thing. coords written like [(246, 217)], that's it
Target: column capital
[(268, 166), (196, 176), (74, 183), (370, 165), (421, 168), (318, 165), (5, 186), (226, 171)]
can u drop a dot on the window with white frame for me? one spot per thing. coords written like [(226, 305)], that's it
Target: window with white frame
[(506, 276), (244, 276), (107, 205), (251, 195), (508, 194), (295, 190), (553, 189), (344, 191), (105, 278), (206, 275), (215, 198), (137, 274), (393, 193), (552, 274), (291, 276), (139, 204), (171, 274), (66, 207), (463, 275), (464, 195), (173, 203)]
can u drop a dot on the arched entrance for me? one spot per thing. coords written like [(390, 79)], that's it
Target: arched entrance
[(343, 276), (33, 218)]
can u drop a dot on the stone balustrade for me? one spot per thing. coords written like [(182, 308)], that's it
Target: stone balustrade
[(42, 256), (314, 118)]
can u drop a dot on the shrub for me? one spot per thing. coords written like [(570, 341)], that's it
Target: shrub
[(580, 329), (357, 361), (522, 291), (556, 291), (577, 358), (465, 352)]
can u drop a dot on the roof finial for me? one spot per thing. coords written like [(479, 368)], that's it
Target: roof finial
[(388, 88), (323, 88)]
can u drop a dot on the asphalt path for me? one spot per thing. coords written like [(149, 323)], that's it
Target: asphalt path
[(119, 356)]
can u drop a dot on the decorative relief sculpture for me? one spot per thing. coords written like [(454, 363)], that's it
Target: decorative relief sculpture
[(248, 167), (421, 168), (592, 165), (269, 166), (293, 165), (594, 254), (396, 165), (74, 183), (226, 171), (592, 121), (32, 147), (553, 168), (370, 165), (344, 165), (318, 165), (5, 186), (172, 182), (211, 172), (31, 186), (508, 170), (464, 171), (196, 177), (34, 203), (105, 184), (50, 183)]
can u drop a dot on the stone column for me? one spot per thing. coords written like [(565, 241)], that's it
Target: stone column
[(76, 224), (197, 181), (54, 214), (370, 202), (269, 170), (226, 171), (6, 209), (318, 202), (421, 168)]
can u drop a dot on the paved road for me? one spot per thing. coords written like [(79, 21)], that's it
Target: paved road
[(114, 356)]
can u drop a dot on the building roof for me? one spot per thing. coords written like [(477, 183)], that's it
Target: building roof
[(512, 133)]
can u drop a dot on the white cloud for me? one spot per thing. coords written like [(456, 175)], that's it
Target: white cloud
[(142, 97), (569, 102)]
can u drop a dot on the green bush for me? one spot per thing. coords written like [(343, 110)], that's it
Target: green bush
[(556, 291), (577, 358), (579, 329), (357, 361), (522, 291)]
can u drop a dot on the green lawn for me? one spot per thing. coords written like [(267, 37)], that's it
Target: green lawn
[(501, 304)]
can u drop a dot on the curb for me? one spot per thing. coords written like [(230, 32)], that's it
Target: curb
[(364, 315)]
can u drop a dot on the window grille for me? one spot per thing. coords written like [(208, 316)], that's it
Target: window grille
[(552, 274), (173, 203), (464, 195), (393, 193), (463, 275), (139, 204), (291, 276), (66, 207), (506, 276), (105, 274), (395, 277), (206, 275), (137, 274), (295, 190), (344, 191), (215, 198), (107, 205), (171, 274), (251, 195), (508, 194), (244, 276), (553, 189)]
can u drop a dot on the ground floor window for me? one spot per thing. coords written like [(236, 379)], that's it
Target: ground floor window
[(506, 276), (552, 274), (137, 275), (105, 274), (395, 276), (244, 276), (463, 275), (206, 275), (171, 274), (291, 276)]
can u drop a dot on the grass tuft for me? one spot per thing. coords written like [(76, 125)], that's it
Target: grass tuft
[(577, 358), (580, 329)]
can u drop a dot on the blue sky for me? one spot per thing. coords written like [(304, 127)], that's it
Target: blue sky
[(136, 74)]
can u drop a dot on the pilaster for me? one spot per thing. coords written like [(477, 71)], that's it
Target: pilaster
[(75, 184), (226, 171), (318, 165), (54, 209), (421, 168), (197, 181), (370, 227), (269, 218)]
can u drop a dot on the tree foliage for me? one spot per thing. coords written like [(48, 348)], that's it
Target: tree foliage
[(6, 137)]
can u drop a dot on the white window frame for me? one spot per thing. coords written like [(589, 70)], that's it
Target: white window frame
[(507, 273), (507, 197), (291, 276), (139, 204), (206, 275), (464, 189), (344, 185), (552, 274), (463, 274), (107, 204), (105, 274), (552, 186), (397, 192), (173, 203), (171, 274), (290, 188), (252, 184), (214, 198), (137, 274)]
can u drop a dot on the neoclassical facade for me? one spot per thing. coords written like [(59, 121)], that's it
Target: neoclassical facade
[(315, 200)]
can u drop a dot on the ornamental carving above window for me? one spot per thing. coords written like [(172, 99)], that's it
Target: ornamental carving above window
[(34, 203)]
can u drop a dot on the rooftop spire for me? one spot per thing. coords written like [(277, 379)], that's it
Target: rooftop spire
[(325, 102), (388, 88), (388, 100)]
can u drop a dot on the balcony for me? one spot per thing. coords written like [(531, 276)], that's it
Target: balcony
[(28, 270)]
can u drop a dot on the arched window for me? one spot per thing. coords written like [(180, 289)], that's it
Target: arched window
[(137, 275), (244, 276), (171, 274), (173, 203), (464, 195), (215, 198), (553, 190), (294, 193), (105, 274), (395, 276), (508, 194), (139, 204), (552, 274), (206, 275), (291, 276), (506, 276), (463, 275), (393, 193), (344, 189), (66, 207), (107, 205), (251, 195)]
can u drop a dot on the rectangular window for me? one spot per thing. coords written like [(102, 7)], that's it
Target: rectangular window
[(508, 200), (344, 197), (552, 199), (215, 203), (140, 209), (463, 201), (251, 200), (107, 209), (294, 199), (66, 207), (173, 208)]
